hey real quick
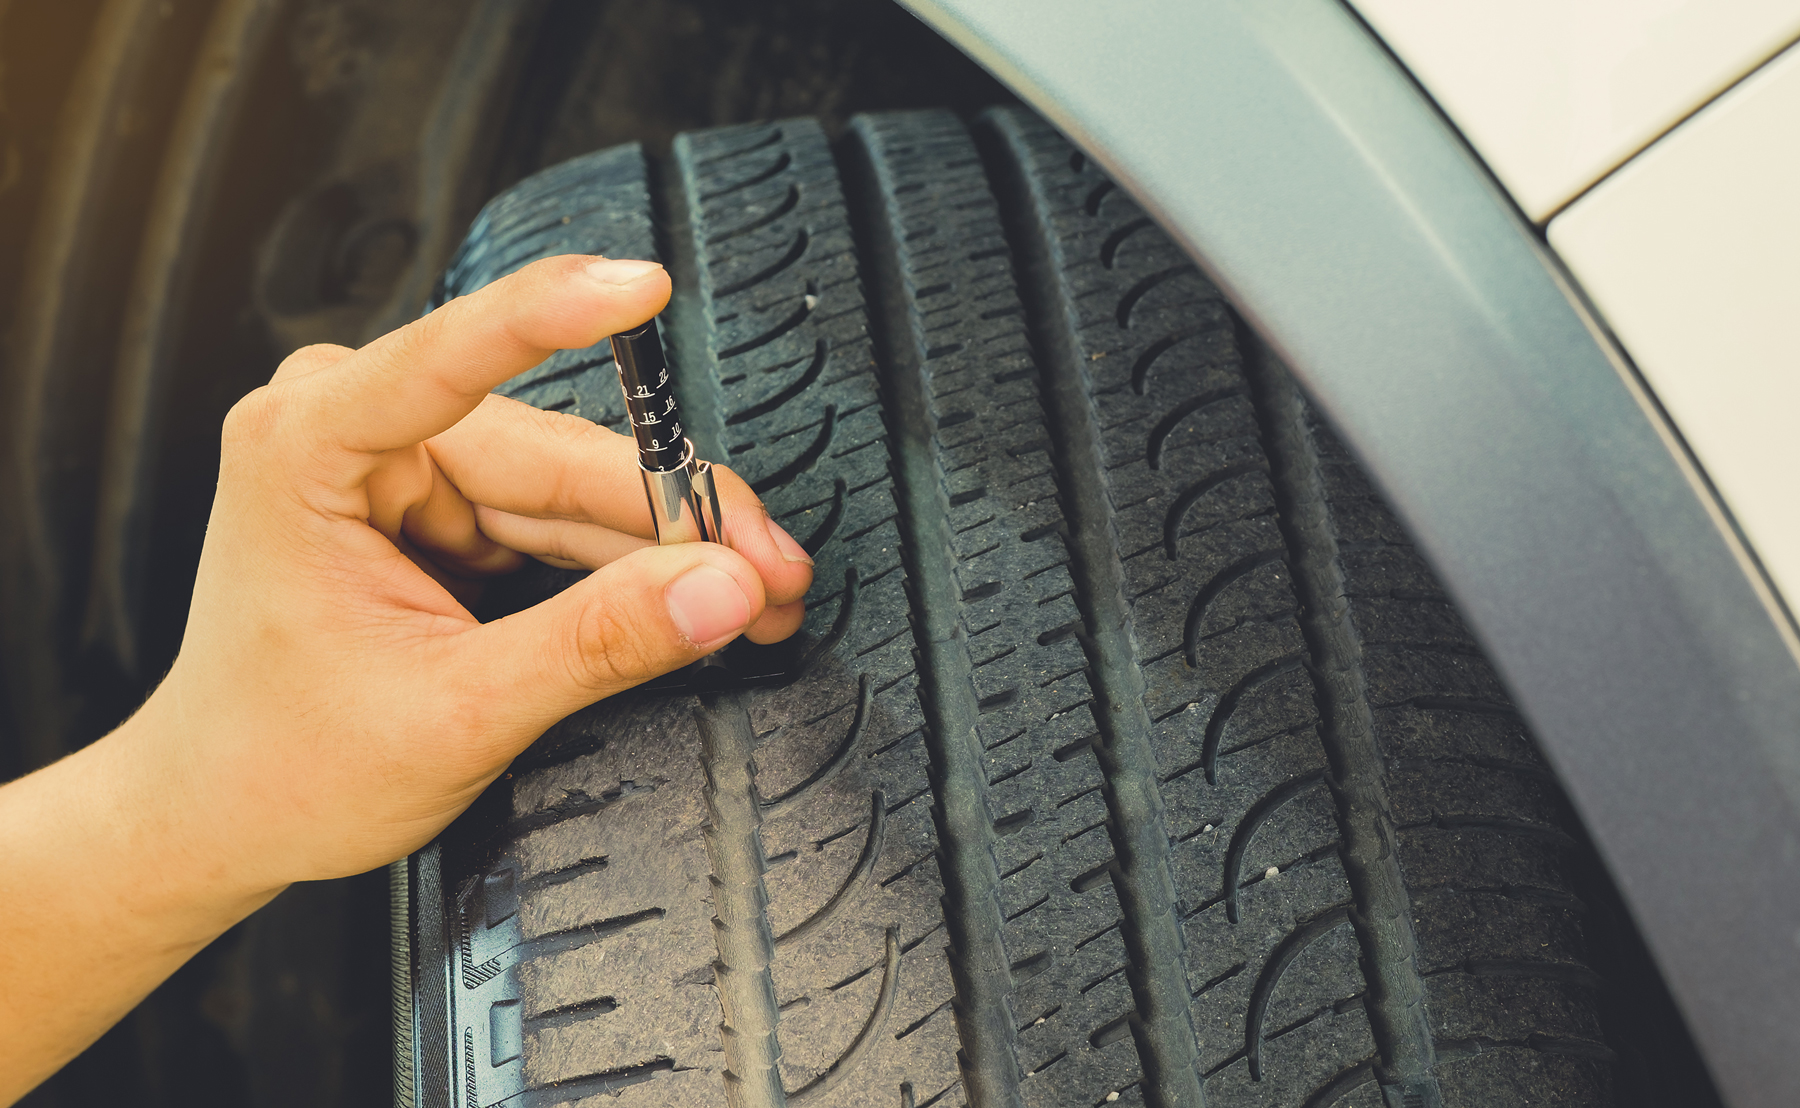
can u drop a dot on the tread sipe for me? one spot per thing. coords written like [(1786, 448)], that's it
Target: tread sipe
[(1134, 758)]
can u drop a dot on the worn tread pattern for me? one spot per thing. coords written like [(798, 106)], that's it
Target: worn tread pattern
[(1310, 1003), (779, 303), (990, 516), (1118, 678), (1215, 628)]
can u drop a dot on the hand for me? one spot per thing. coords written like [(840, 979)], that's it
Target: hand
[(333, 701), (334, 704)]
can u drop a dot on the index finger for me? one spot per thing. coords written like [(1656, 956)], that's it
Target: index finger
[(514, 458), (415, 382)]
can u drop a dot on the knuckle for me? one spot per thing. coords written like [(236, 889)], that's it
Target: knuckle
[(560, 430), (419, 336), (556, 543), (310, 357), (253, 419)]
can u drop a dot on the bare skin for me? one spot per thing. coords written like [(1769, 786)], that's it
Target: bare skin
[(334, 704)]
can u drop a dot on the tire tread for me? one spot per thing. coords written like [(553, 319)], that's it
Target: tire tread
[(1118, 678)]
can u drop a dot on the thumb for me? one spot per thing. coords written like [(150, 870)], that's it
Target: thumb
[(646, 614)]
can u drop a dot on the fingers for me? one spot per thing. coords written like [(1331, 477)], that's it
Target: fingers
[(523, 462), (415, 382), (776, 623), (447, 528), (310, 359), (560, 542), (749, 529), (511, 456), (644, 615)]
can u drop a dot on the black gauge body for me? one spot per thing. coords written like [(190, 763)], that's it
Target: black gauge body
[(650, 399)]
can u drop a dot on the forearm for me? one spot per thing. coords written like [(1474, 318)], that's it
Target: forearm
[(109, 890)]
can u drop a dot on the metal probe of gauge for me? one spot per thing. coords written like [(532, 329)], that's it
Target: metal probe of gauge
[(684, 503), (684, 507)]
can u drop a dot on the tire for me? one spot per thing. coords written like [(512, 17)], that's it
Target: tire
[(1135, 757)]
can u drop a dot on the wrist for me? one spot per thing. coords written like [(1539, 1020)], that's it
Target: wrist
[(146, 809)]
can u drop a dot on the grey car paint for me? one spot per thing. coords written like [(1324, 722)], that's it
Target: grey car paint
[(1296, 160)]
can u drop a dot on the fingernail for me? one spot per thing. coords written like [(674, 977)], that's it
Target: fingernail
[(785, 543), (620, 271), (707, 605)]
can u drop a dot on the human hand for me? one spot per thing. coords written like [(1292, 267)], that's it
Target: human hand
[(334, 705)]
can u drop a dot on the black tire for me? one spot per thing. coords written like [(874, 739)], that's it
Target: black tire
[(1136, 757)]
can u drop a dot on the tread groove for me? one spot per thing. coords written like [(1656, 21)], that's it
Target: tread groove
[(1142, 877), (793, 255), (687, 335), (839, 758), (1192, 494), (820, 354), (1247, 828), (1227, 707), (846, 1063), (1159, 435), (1269, 976), (1224, 579), (978, 959), (865, 864), (740, 902), (804, 460), (1382, 914)]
